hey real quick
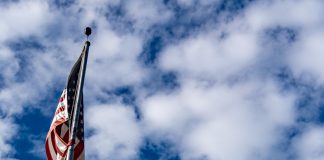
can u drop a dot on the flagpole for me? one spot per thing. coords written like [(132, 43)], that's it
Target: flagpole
[(76, 110)]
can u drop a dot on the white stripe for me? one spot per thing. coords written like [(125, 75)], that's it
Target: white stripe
[(60, 145), (59, 157), (64, 129), (66, 113), (62, 114), (77, 141)]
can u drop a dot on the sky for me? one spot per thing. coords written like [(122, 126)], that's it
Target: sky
[(168, 79)]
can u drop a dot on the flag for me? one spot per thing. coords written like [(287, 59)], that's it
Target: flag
[(58, 137)]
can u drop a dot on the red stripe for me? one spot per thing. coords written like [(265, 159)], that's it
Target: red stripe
[(48, 152), (58, 128), (58, 122), (78, 149), (66, 136), (55, 132), (54, 142), (58, 135), (56, 147), (62, 98), (60, 109)]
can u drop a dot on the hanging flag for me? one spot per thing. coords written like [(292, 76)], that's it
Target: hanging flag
[(58, 139)]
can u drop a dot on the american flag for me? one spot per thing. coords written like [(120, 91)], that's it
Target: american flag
[(57, 139)]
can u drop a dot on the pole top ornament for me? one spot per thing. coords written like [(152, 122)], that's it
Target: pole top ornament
[(87, 31)]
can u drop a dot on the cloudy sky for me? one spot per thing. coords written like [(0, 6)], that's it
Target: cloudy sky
[(168, 80)]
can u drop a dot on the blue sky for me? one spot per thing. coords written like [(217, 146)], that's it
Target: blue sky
[(168, 80)]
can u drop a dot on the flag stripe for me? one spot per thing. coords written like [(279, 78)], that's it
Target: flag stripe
[(49, 152), (52, 152), (81, 157), (79, 148)]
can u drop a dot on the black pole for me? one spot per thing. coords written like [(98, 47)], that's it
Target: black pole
[(76, 106)]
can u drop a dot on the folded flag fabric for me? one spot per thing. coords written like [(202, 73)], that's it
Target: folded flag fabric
[(58, 137)]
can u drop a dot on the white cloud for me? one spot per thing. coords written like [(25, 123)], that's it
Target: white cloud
[(142, 13), (284, 13), (310, 145), (116, 134), (15, 95), (224, 108), (303, 56), (113, 61), (190, 3), (218, 120), (209, 55), (8, 129), (113, 56), (94, 11), (23, 19), (307, 54), (38, 148), (146, 13), (9, 65)]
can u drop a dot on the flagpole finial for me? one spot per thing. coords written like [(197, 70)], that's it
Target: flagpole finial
[(87, 31)]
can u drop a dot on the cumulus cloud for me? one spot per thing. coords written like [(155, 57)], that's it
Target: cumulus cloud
[(23, 18), (270, 13), (147, 13), (8, 130), (115, 55), (9, 65), (309, 145), (115, 132), (308, 53), (214, 121), (23, 78), (209, 55), (190, 3), (229, 102)]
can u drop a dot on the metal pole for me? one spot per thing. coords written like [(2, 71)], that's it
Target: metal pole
[(76, 106)]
